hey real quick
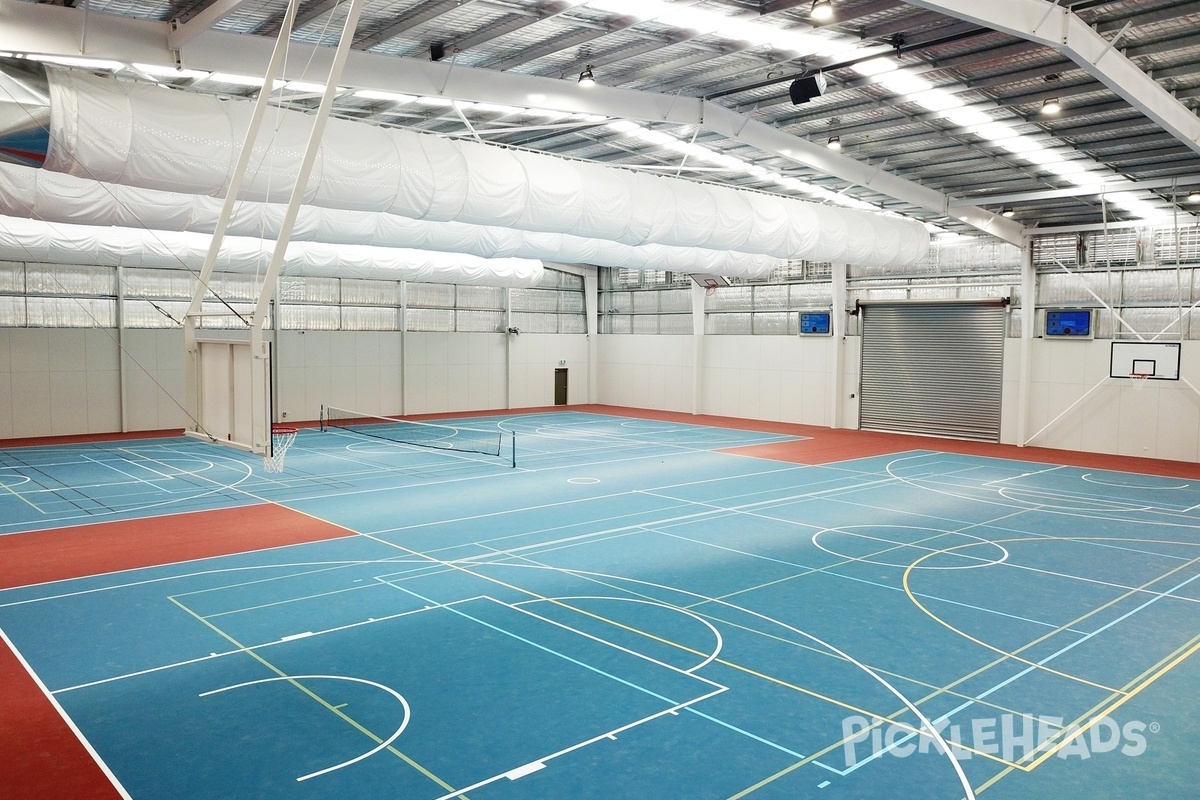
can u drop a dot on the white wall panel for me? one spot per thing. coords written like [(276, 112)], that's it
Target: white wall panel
[(6, 401), (30, 400)]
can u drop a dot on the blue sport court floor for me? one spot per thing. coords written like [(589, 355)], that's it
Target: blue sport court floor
[(639, 609)]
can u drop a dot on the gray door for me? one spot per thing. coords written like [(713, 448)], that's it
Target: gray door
[(560, 387), (933, 368)]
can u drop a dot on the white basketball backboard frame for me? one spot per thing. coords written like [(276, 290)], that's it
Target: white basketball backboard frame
[(1156, 361)]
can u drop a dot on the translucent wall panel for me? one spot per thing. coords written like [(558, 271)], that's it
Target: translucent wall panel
[(232, 287), (12, 312), (534, 299), (159, 314), (430, 295), (370, 318), (159, 283), (370, 293), (772, 323), (12, 277), (479, 321), (70, 312), (70, 280), (680, 324), (485, 297), (309, 318), (430, 319), (535, 323), (730, 323)]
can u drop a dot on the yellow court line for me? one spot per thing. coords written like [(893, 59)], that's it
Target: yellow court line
[(334, 709), (1180, 655), (22, 498), (1013, 654), (1179, 659)]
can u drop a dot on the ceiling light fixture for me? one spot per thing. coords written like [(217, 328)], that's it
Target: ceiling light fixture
[(834, 143), (1007, 212), (586, 78), (1194, 197), (822, 10), (1051, 106)]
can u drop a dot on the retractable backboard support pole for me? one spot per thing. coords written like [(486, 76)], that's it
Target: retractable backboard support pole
[(259, 400)]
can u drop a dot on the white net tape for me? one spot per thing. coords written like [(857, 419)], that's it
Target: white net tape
[(281, 440)]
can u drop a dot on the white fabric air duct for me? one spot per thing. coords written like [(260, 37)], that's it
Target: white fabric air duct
[(156, 138), (32, 240), (55, 197)]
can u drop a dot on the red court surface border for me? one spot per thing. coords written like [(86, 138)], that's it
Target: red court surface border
[(43, 758), (40, 754)]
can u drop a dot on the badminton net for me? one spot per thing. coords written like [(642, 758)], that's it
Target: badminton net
[(496, 443)]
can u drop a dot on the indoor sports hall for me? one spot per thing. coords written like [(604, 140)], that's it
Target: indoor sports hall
[(597, 400)]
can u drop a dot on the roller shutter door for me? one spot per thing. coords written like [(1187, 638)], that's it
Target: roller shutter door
[(933, 369)]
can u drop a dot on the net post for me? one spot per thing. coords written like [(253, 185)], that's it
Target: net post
[(514, 449), (322, 419)]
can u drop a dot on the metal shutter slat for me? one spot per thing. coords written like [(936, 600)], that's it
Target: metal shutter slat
[(933, 369)]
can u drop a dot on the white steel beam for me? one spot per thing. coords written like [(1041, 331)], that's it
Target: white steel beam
[(23, 28), (1058, 27), (183, 33)]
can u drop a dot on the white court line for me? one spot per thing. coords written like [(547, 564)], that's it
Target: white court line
[(1023, 673), (874, 675), (383, 745), (687, 612), (247, 648), (1023, 475), (655, 661), (108, 773)]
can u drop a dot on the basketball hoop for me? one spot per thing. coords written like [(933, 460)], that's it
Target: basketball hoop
[(282, 437), (1140, 379)]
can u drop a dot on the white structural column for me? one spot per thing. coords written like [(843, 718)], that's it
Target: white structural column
[(1028, 331), (1058, 27), (837, 319), (698, 295), (591, 305)]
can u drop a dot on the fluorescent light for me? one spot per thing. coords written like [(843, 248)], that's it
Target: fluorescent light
[(876, 66), (993, 131), (77, 61), (497, 108), (905, 83), (443, 102), (304, 86), (161, 71), (936, 100), (389, 97), (1042, 157), (1020, 144), (967, 117), (240, 80), (547, 113)]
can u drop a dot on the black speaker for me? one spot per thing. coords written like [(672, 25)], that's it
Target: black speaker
[(805, 89), (437, 51)]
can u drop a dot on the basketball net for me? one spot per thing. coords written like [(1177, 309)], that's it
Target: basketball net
[(1140, 379), (282, 437)]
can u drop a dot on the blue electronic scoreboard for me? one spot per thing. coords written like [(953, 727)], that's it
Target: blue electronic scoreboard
[(814, 323), (1073, 322)]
